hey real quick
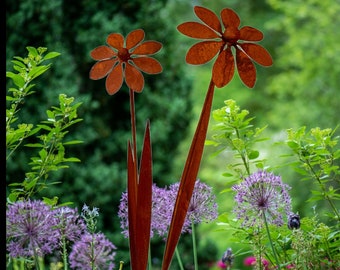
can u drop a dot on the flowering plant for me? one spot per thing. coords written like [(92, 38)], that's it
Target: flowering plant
[(36, 228)]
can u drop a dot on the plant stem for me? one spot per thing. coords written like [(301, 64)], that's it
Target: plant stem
[(149, 258), (179, 259), (193, 234), (64, 251), (270, 240)]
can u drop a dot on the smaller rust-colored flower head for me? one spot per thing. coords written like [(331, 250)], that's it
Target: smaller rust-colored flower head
[(218, 41), (125, 59)]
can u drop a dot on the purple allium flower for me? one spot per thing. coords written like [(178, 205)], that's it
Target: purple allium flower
[(123, 214), (92, 251), (162, 207), (31, 229), (202, 207), (262, 192), (70, 224)]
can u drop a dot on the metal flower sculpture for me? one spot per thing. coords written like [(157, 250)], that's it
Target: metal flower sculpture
[(124, 60), (218, 41), (221, 43)]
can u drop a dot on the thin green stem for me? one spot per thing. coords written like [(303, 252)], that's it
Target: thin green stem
[(270, 240), (179, 259), (64, 251), (36, 259), (323, 188), (149, 258), (193, 234), (121, 263)]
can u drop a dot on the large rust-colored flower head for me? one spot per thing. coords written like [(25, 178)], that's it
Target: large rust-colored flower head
[(125, 59), (219, 41)]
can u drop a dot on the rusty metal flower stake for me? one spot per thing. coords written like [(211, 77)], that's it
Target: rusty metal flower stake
[(215, 42), (124, 59)]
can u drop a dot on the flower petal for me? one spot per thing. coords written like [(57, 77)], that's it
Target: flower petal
[(134, 37), (209, 18), (203, 52), (196, 30), (101, 69), (115, 80), (147, 47), (223, 69), (148, 65), (134, 78), (115, 40), (249, 33), (102, 52), (257, 53), (230, 18), (246, 68)]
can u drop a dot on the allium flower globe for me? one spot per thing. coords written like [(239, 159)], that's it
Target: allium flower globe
[(93, 251), (31, 229), (262, 193), (202, 206), (162, 207), (71, 225)]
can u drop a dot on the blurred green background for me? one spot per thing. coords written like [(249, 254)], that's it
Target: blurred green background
[(300, 89)]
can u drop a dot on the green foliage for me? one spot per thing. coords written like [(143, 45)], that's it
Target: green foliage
[(306, 65), (74, 28), (233, 131), (318, 156), (315, 244), (50, 134)]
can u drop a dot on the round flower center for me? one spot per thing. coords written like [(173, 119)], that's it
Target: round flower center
[(124, 54), (231, 35)]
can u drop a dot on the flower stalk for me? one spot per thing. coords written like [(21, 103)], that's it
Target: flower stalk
[(270, 240)]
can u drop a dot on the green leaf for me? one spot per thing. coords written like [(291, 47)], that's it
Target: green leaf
[(17, 79), (51, 55), (253, 154)]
